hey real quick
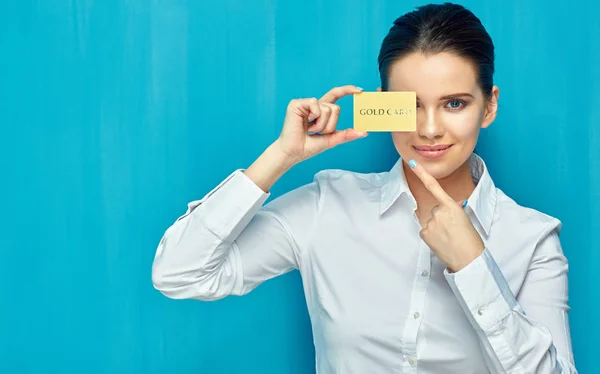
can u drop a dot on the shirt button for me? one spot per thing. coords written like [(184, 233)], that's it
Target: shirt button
[(480, 311), (411, 361), (424, 273), (416, 315)]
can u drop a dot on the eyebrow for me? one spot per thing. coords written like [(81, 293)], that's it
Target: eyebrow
[(451, 96), (456, 95)]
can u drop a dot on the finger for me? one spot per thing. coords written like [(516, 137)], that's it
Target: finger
[(338, 92), (327, 141), (434, 209), (344, 136), (431, 184), (333, 118), (423, 232), (305, 108), (321, 122)]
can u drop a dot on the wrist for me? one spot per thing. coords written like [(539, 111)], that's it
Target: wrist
[(269, 167), (282, 159), (465, 260)]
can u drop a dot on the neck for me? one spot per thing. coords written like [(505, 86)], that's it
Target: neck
[(459, 185)]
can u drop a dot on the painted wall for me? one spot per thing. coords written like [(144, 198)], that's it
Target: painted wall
[(114, 114)]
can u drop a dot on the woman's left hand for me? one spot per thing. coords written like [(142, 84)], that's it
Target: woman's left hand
[(449, 232)]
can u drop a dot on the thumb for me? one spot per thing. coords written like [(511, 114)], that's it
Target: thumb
[(317, 143), (343, 136)]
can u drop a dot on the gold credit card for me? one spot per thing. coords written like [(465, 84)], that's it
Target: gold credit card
[(385, 111)]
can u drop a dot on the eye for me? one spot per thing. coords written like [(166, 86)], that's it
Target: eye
[(456, 104)]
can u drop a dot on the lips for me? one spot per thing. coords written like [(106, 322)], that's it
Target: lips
[(432, 151), (432, 148)]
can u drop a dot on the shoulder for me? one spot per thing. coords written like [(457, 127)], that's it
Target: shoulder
[(349, 187), (520, 220), (334, 188), (333, 192), (330, 185), (346, 179)]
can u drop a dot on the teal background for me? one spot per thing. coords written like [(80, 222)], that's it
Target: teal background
[(114, 114)]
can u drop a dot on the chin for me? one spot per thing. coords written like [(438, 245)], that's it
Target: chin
[(438, 170), (440, 167)]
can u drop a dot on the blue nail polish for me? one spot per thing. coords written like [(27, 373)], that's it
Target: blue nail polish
[(464, 204), (412, 163), (359, 88)]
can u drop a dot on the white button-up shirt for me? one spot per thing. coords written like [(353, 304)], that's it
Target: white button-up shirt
[(379, 300)]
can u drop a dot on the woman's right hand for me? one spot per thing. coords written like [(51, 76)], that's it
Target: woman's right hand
[(310, 125), (299, 139)]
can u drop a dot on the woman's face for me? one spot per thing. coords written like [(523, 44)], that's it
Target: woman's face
[(451, 109)]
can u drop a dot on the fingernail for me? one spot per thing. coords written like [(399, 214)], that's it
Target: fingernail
[(359, 88), (412, 163), (464, 204)]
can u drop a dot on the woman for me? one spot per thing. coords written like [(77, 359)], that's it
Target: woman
[(427, 268)]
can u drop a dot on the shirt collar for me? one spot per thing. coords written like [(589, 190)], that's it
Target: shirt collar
[(482, 201)]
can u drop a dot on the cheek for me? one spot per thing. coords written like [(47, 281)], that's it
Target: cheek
[(464, 125), (402, 142)]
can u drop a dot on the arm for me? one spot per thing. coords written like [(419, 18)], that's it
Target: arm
[(528, 333), (227, 243)]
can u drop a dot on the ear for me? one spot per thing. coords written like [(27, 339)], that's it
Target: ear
[(378, 89), (491, 108)]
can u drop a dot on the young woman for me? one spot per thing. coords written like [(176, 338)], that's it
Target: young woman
[(427, 268)]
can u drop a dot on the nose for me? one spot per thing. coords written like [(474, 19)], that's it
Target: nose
[(428, 125)]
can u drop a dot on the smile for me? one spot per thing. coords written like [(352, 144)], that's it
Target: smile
[(432, 151)]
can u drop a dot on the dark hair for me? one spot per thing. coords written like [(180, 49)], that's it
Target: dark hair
[(436, 28)]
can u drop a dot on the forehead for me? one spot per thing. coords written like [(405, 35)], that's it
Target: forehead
[(432, 76)]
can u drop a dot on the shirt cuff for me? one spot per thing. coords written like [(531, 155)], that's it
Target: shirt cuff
[(229, 207), (482, 291)]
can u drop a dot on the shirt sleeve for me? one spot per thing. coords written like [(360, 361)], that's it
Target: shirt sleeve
[(528, 333), (228, 243)]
